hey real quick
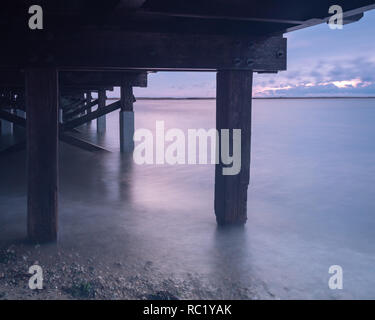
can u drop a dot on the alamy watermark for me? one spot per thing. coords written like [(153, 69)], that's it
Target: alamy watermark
[(36, 20), (336, 281), (336, 21), (36, 280), (200, 146)]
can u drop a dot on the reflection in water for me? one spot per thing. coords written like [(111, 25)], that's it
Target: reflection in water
[(230, 252), (310, 200)]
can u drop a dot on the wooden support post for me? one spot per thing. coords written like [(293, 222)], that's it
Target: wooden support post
[(233, 111), (88, 101), (126, 119), (6, 127), (19, 130), (83, 112), (42, 153), (61, 115), (101, 122)]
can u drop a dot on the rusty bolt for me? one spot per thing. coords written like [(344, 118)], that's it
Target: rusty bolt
[(280, 53)]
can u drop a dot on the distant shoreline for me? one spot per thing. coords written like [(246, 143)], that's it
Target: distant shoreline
[(255, 98)]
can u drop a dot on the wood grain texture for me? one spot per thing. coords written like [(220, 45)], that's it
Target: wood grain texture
[(42, 153), (233, 111), (120, 50), (127, 97)]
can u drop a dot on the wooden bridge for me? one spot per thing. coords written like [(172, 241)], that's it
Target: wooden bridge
[(47, 76)]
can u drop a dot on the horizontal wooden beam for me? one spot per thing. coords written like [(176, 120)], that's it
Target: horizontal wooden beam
[(115, 49), (102, 79), (70, 124), (79, 110), (13, 118), (82, 80), (267, 10), (350, 15), (91, 116), (73, 105), (207, 16), (265, 18), (73, 141)]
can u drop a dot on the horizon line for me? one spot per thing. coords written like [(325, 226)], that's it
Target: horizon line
[(256, 98)]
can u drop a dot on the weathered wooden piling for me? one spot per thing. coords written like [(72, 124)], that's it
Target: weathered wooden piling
[(19, 130), (61, 115), (233, 111), (42, 153), (101, 121), (6, 128), (88, 101), (126, 117)]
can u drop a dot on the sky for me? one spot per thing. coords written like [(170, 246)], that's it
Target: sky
[(321, 62)]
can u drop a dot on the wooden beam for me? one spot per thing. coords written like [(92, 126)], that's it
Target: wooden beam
[(208, 16), (81, 143), (42, 153), (71, 91), (266, 10), (81, 109), (101, 122), (73, 105), (13, 118), (350, 11), (83, 80), (91, 116), (102, 79), (123, 50), (74, 141), (88, 101), (233, 111), (267, 17)]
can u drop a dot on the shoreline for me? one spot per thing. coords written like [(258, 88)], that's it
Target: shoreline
[(71, 274)]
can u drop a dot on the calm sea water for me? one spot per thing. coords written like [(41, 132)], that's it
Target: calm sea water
[(311, 200)]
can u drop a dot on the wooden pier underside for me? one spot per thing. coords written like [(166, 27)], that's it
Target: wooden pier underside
[(90, 46)]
